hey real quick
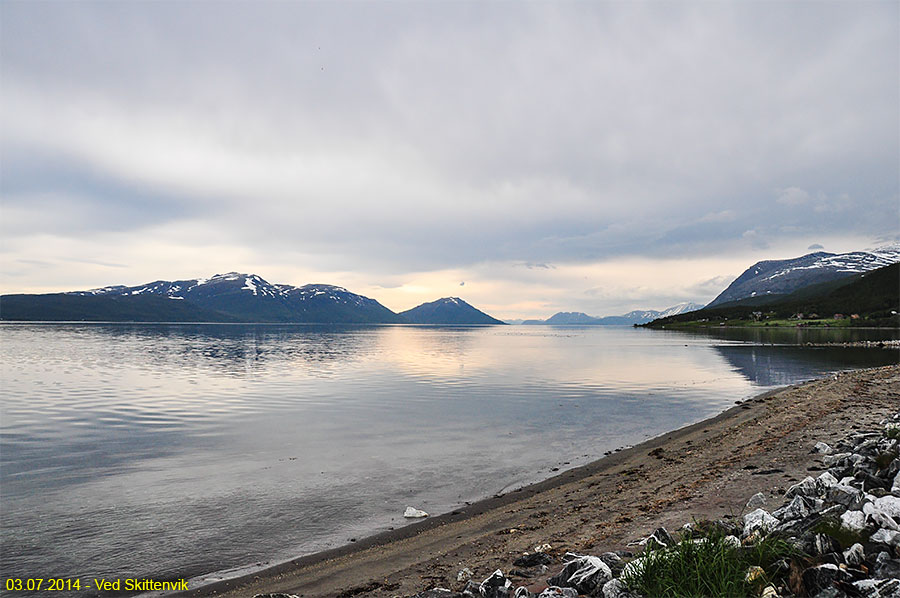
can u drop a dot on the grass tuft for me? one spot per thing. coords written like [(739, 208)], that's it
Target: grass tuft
[(709, 566)]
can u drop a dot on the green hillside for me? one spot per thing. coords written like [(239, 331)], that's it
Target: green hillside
[(868, 299)]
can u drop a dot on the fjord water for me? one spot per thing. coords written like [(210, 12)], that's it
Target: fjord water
[(171, 451)]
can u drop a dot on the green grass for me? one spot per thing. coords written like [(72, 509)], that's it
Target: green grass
[(710, 568)]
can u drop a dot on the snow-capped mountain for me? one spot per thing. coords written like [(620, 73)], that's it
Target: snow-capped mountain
[(638, 316), (449, 310), (680, 308), (779, 277), (249, 297)]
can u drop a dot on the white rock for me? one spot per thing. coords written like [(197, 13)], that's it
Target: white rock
[(465, 574), (732, 541), (805, 487), (887, 536), (830, 460), (757, 500), (769, 592), (413, 513), (854, 520), (895, 489), (889, 505), (825, 481), (615, 588), (855, 554), (822, 448), (542, 548), (796, 509), (759, 519)]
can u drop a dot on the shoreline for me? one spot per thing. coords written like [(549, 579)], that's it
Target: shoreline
[(606, 503)]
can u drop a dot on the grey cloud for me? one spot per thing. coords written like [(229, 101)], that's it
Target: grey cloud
[(399, 137), (815, 246)]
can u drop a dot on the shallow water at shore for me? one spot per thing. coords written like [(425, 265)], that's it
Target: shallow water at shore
[(172, 451)]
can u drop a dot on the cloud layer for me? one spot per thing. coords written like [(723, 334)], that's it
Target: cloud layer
[(396, 143)]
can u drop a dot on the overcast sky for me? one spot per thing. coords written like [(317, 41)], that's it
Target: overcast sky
[(527, 157)]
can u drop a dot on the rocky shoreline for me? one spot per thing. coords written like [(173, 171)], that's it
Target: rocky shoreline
[(703, 472), (839, 531)]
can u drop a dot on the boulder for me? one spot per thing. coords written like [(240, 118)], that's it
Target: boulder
[(843, 494), (759, 519), (878, 588), (757, 500), (854, 520), (821, 448), (824, 482), (886, 536), (495, 586), (616, 588), (889, 505), (821, 577), (805, 487), (584, 573), (854, 555), (554, 592), (798, 508)]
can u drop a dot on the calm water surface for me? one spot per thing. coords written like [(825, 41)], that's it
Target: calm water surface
[(172, 451)]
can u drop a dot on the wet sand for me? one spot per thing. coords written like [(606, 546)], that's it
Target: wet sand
[(706, 470)]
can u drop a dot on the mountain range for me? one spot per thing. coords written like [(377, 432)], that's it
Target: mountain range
[(231, 297), (575, 318)]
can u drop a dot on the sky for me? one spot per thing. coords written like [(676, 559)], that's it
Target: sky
[(529, 157)]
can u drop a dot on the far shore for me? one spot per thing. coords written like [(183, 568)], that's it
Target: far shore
[(706, 470)]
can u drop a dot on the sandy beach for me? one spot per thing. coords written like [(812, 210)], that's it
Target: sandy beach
[(706, 470)]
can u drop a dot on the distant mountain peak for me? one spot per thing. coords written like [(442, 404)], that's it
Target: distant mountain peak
[(448, 310)]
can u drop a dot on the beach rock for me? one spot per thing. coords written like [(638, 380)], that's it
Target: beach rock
[(821, 448), (844, 495), (464, 574), (554, 592), (533, 560), (879, 517), (824, 482), (584, 573), (855, 555), (805, 487), (614, 562), (759, 520), (616, 588), (821, 577), (798, 508), (823, 544), (757, 500), (835, 459), (854, 520), (495, 586), (889, 505), (886, 567), (878, 588), (886, 536), (414, 513), (660, 538)]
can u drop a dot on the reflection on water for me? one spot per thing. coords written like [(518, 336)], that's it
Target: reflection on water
[(177, 450)]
